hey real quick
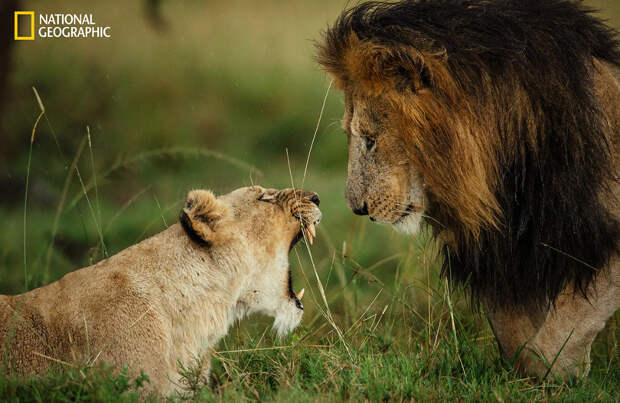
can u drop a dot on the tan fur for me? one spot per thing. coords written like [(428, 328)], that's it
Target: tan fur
[(558, 342), (205, 214), (566, 336), (167, 298)]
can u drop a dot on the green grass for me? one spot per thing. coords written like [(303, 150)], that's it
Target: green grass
[(74, 385), (390, 354), (216, 102)]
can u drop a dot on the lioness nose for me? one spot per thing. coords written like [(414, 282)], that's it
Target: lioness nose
[(361, 211), (314, 198)]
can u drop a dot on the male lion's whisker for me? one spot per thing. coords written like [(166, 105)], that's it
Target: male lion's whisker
[(405, 213), (410, 206), (432, 218)]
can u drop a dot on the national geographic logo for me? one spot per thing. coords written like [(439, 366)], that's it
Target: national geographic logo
[(24, 25), (57, 25)]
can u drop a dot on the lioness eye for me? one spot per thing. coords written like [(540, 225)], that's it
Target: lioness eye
[(370, 142), (267, 198)]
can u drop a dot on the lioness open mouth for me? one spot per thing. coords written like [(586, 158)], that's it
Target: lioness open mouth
[(307, 230), (310, 232), (295, 296)]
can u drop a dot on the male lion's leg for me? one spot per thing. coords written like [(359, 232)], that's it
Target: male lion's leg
[(512, 328), (563, 342)]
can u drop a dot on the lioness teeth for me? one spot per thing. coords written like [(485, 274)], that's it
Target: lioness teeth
[(300, 294), (312, 230), (309, 236)]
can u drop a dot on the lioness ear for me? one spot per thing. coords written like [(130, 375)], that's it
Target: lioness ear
[(201, 215), (380, 68)]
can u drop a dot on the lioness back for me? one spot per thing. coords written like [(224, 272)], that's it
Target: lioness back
[(72, 319)]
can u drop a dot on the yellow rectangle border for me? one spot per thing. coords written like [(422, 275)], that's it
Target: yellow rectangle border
[(24, 38)]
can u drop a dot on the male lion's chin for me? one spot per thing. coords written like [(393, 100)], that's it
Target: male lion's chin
[(409, 224), (287, 320)]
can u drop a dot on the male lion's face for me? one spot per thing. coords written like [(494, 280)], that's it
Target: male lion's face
[(381, 181), (269, 223)]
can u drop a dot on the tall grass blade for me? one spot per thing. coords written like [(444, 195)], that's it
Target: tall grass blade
[(34, 130), (59, 209), (93, 214), (92, 164)]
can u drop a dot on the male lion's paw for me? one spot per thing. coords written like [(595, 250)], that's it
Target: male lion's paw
[(543, 362)]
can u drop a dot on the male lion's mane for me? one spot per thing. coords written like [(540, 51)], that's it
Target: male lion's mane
[(503, 125)]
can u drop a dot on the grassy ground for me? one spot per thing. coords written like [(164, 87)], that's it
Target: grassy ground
[(218, 100)]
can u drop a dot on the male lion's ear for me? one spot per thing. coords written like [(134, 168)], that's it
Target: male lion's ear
[(201, 215), (380, 68)]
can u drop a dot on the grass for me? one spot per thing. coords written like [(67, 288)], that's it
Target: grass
[(74, 385), (386, 352), (229, 96)]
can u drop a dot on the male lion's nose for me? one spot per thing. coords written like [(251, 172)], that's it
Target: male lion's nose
[(361, 211)]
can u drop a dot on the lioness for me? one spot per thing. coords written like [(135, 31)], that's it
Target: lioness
[(172, 296)]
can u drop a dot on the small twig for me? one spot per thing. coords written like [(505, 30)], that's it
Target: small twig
[(124, 207), (250, 350), (316, 129), (558, 355), (92, 212), (569, 256), (161, 213), (53, 359), (115, 338), (456, 341), (366, 310)]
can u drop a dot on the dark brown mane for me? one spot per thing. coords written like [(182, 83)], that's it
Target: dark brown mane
[(500, 101)]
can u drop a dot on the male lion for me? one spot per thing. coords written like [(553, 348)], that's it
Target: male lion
[(499, 123), (171, 297)]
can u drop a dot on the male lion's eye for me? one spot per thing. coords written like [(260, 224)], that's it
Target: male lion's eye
[(370, 142)]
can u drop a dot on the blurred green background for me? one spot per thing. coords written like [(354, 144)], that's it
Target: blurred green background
[(215, 94)]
